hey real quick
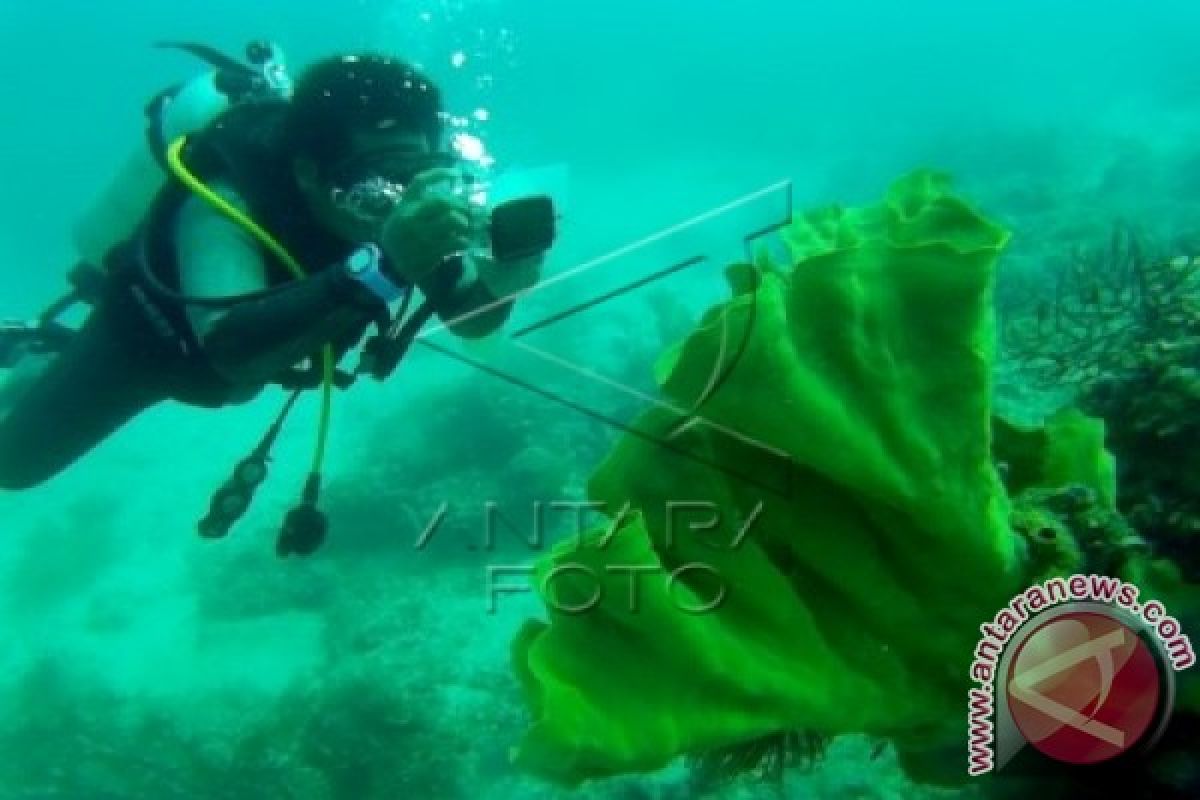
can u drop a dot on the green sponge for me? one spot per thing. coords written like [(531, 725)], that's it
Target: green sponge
[(1067, 449), (862, 530)]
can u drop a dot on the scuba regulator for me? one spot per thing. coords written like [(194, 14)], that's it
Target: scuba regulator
[(304, 527)]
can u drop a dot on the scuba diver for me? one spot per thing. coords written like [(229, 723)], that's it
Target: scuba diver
[(293, 218)]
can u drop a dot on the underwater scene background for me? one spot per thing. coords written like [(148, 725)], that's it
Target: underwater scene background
[(139, 661)]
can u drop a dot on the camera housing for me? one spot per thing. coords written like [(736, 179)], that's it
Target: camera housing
[(522, 227)]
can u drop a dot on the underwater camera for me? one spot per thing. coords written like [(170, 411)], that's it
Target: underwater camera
[(522, 228), (516, 229)]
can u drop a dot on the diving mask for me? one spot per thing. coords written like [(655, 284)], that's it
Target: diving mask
[(369, 200), (368, 187)]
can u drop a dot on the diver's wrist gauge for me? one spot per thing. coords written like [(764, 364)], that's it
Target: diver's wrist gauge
[(365, 267)]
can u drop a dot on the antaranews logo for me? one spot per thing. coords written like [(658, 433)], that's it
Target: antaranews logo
[(1078, 669)]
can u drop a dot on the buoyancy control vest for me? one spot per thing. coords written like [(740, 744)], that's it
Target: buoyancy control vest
[(241, 150)]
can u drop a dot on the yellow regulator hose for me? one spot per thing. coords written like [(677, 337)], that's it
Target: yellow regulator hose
[(185, 176)]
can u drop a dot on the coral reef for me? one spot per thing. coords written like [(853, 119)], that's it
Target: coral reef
[(408, 700), (1122, 334), (878, 462), (1099, 309)]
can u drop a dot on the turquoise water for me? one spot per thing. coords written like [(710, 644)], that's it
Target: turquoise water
[(138, 661)]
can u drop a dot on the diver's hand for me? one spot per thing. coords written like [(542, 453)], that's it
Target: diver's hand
[(426, 226), (506, 278)]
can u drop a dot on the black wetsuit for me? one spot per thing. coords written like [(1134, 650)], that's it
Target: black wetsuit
[(137, 348)]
